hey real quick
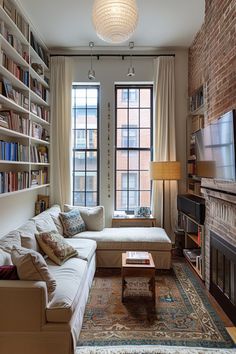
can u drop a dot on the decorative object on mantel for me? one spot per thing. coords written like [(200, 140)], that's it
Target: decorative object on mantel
[(142, 212), (115, 20), (91, 72)]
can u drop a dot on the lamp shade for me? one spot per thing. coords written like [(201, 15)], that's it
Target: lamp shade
[(165, 170), (115, 20)]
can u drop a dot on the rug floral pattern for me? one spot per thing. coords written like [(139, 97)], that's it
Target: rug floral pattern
[(182, 314)]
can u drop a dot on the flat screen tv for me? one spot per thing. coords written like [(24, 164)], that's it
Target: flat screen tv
[(216, 150)]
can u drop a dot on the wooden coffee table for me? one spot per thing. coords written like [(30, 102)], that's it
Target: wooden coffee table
[(138, 270)]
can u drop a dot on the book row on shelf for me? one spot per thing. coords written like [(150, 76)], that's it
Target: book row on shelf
[(39, 89), (16, 16), (7, 90), (39, 154), (20, 73), (40, 111), (14, 41), (39, 49), (38, 132), (10, 151), (14, 181), (14, 121), (196, 100)]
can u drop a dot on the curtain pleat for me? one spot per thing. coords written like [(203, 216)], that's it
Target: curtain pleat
[(61, 89)]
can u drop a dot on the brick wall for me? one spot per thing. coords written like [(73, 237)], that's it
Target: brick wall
[(212, 58)]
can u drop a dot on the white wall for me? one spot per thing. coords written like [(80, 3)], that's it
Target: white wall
[(112, 70)]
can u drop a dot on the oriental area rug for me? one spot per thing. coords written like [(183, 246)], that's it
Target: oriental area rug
[(181, 316)]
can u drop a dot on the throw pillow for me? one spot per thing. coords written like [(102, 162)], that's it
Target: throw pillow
[(32, 266), (44, 222), (8, 272), (27, 234), (5, 258), (72, 223), (55, 247), (93, 216), (8, 241)]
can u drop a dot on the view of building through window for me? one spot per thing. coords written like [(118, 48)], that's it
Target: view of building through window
[(85, 113), (133, 146)]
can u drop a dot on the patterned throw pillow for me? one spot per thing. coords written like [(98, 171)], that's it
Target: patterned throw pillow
[(72, 223), (55, 246), (8, 272)]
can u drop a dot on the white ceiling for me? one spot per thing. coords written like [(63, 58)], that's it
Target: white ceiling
[(67, 24)]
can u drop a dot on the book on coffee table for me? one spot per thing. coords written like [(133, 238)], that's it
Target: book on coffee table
[(135, 257)]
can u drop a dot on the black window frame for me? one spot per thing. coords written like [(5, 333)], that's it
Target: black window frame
[(86, 150), (132, 86)]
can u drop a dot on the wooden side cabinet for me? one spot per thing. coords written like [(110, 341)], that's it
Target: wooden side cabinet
[(132, 221)]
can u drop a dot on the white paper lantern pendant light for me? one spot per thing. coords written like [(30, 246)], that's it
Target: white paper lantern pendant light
[(115, 20)]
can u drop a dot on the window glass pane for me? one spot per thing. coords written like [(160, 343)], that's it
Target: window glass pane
[(133, 181), (121, 200), (145, 198), (91, 199), (124, 181), (144, 180), (122, 118), (145, 120), (133, 138), (144, 138), (134, 117), (79, 160), (133, 199), (92, 118), (133, 97), (120, 180), (145, 158), (80, 117), (145, 98), (80, 136), (79, 181), (122, 138), (92, 161), (122, 98), (79, 198), (91, 139), (91, 181), (133, 160), (121, 160)]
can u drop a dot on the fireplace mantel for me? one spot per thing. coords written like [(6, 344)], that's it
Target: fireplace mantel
[(220, 198)]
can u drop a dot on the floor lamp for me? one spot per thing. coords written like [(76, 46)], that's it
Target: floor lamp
[(165, 171)]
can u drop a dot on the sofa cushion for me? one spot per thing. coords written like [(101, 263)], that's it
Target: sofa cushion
[(10, 240), (55, 247), (32, 266), (70, 278), (54, 212), (44, 222), (27, 234), (129, 238), (85, 247), (5, 258), (8, 272), (72, 222), (94, 217)]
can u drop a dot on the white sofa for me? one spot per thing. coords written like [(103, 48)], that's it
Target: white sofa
[(30, 323)]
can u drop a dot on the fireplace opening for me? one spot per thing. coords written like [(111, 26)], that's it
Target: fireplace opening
[(223, 274)]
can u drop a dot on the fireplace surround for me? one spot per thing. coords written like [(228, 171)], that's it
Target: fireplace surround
[(220, 242)]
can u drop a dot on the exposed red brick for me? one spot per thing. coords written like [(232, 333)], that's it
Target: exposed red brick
[(212, 58)]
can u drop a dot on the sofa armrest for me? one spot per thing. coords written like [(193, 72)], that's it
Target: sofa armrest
[(22, 305)]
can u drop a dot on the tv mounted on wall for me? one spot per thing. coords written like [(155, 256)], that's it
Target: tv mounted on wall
[(216, 149)]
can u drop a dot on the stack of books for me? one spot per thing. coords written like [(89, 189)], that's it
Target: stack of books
[(133, 257)]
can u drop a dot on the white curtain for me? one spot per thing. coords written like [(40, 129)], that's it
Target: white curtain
[(164, 139), (61, 88)]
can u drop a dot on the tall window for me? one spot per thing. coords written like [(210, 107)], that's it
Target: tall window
[(85, 114), (133, 146)]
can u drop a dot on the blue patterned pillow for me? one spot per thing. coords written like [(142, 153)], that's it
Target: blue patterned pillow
[(72, 223)]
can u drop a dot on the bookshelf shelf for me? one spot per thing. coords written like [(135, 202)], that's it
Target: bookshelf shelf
[(17, 55)]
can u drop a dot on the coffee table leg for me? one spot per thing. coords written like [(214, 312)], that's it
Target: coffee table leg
[(123, 288), (152, 287)]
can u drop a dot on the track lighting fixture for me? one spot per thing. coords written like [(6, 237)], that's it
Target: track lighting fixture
[(91, 72), (131, 71)]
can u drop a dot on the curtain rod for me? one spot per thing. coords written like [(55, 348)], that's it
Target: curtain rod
[(113, 55)]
